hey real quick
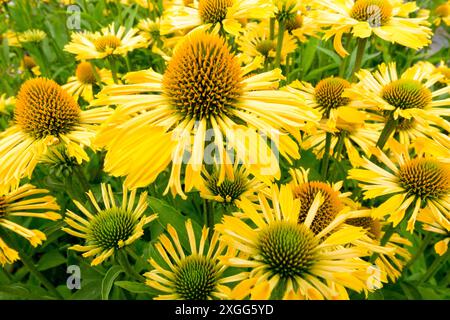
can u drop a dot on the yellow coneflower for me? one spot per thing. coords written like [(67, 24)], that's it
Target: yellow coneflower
[(24, 201), (45, 115), (32, 35), (388, 19), (432, 69), (442, 13), (285, 254), (237, 184), (107, 42), (208, 13), (28, 64), (84, 80), (110, 228), (193, 274), (255, 41), (203, 89), (408, 96), (410, 184), (392, 256), (302, 26), (437, 225)]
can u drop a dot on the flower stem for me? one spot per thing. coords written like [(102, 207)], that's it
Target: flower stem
[(385, 239), (113, 67), (419, 251), (326, 156), (28, 262), (435, 266), (208, 215), (122, 258), (361, 48), (279, 43), (272, 28), (388, 129)]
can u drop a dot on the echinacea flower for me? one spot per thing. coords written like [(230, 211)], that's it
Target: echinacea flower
[(45, 115), (85, 79), (442, 13), (24, 201), (193, 274), (111, 227), (204, 89), (409, 96), (410, 184), (28, 64), (108, 42), (287, 256), (210, 13), (388, 19)]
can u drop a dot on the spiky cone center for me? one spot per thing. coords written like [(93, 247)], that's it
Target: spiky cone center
[(287, 249), (328, 93), (213, 11), (425, 178), (43, 108), (85, 73), (106, 43), (196, 278), (376, 12), (229, 190), (266, 46), (294, 22), (326, 213), (373, 226), (203, 77), (110, 227), (406, 94), (28, 62)]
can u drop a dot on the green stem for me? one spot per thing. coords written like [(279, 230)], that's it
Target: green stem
[(386, 237), (113, 67), (208, 215), (122, 258), (435, 266), (389, 128), (279, 43), (28, 262), (419, 251), (339, 145), (326, 156), (361, 48), (79, 174), (343, 66), (272, 28)]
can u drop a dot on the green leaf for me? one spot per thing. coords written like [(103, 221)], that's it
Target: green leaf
[(88, 291), (333, 55), (309, 54), (137, 287), (50, 260), (109, 279)]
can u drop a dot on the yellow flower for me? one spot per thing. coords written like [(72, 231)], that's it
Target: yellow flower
[(29, 64), (84, 80), (409, 185), (45, 115), (24, 201), (193, 274), (388, 19), (437, 225), (285, 254), (442, 13), (393, 256), (32, 35), (5, 103), (255, 41), (110, 228), (237, 184), (409, 96), (107, 42), (302, 25), (204, 95), (208, 13)]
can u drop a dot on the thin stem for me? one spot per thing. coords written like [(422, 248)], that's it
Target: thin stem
[(419, 251), (326, 156), (208, 216), (388, 129), (82, 179), (279, 43), (435, 266), (28, 262), (361, 48), (272, 28), (385, 239), (113, 67), (343, 66), (122, 258)]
